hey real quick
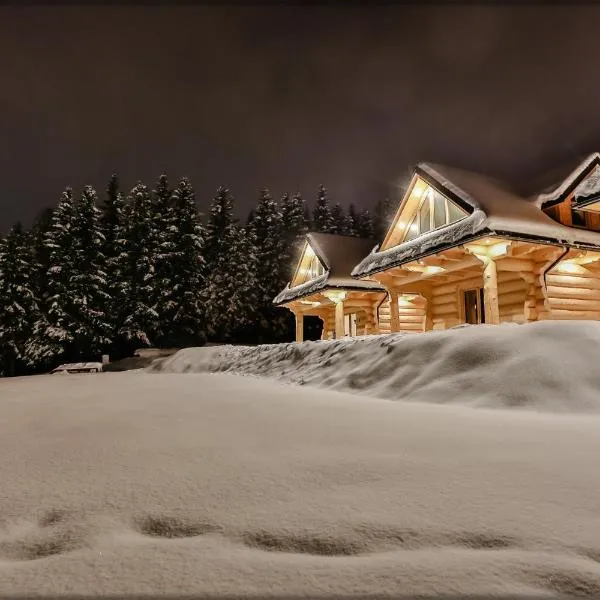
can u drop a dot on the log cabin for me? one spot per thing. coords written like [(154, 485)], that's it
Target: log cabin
[(467, 248), (323, 286)]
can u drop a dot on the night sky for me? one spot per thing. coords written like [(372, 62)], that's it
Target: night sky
[(288, 97)]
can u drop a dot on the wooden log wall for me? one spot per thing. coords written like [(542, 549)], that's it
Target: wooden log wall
[(447, 298), (412, 316), (385, 325), (574, 295)]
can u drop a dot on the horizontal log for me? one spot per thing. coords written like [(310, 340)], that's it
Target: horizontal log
[(469, 261), (573, 281), (513, 298), (445, 298), (411, 311), (411, 319), (451, 288), (574, 314), (573, 292), (516, 285), (515, 264), (583, 274), (511, 309), (447, 311), (573, 304), (359, 303)]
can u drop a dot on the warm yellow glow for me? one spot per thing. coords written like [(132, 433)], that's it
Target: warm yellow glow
[(310, 303), (419, 189), (335, 295), (488, 248), (569, 266), (585, 259), (309, 251), (432, 269), (426, 270), (406, 299), (497, 249)]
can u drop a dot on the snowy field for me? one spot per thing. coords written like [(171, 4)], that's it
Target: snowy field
[(165, 483)]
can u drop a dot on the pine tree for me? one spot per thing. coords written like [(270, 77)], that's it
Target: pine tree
[(350, 221), (232, 289), (307, 218), (163, 239), (339, 219), (322, 219), (138, 285), (114, 226), (384, 214), (41, 254), (185, 307), (220, 220), (365, 227), (89, 286), (295, 227), (268, 232), (54, 330), (19, 310), (220, 237)]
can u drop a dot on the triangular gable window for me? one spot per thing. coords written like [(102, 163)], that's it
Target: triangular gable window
[(423, 210), (434, 211), (309, 267)]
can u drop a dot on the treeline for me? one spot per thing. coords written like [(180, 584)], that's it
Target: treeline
[(97, 277)]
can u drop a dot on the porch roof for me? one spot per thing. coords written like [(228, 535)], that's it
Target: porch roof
[(495, 209), (339, 254)]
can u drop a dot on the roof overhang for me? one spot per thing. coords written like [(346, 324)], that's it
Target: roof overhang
[(304, 291), (562, 192)]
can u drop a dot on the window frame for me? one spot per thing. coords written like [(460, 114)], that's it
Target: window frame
[(429, 196), (480, 304)]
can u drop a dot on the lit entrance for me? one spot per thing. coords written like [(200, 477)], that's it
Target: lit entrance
[(350, 325), (474, 306)]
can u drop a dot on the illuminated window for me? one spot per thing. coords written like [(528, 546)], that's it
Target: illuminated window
[(435, 210), (315, 269)]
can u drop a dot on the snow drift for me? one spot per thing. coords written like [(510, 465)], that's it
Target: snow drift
[(216, 485), (549, 365)]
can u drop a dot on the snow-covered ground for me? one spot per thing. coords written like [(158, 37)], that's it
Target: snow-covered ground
[(547, 366), (164, 483)]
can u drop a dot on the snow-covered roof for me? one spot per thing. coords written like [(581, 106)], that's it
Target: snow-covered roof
[(568, 183), (589, 189), (339, 254), (495, 209)]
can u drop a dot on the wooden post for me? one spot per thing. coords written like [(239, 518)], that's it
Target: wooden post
[(428, 310), (490, 291), (394, 312), (339, 319), (375, 317), (299, 327)]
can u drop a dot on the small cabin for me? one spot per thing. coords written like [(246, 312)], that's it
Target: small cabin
[(322, 286), (462, 248)]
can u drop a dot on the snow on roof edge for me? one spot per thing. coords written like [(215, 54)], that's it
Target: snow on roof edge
[(324, 281), (556, 193), (308, 287), (453, 233)]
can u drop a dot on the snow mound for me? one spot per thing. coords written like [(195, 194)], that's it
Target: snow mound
[(549, 365)]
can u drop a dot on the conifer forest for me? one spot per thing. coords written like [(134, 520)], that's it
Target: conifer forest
[(114, 272)]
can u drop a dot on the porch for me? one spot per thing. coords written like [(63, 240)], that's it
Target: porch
[(491, 280), (343, 312)]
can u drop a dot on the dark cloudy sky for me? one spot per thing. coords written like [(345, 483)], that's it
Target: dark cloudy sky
[(288, 97)]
